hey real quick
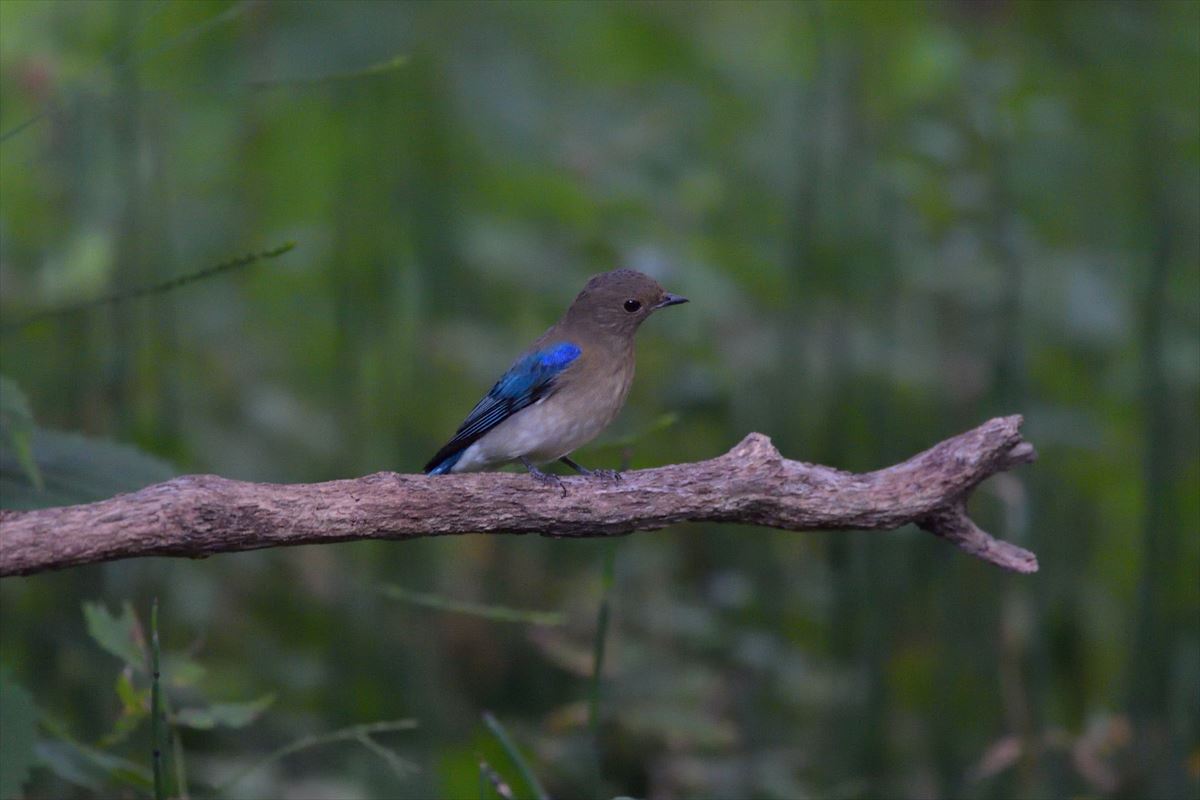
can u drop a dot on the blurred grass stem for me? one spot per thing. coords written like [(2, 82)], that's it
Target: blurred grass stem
[(607, 573), (152, 289), (492, 612), (156, 704), (351, 733), (514, 754)]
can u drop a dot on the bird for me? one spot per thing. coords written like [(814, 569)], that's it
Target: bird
[(563, 390)]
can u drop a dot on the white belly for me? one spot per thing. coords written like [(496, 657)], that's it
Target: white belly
[(547, 430)]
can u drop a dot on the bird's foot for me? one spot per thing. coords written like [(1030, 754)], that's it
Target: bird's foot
[(546, 478), (604, 474), (549, 479)]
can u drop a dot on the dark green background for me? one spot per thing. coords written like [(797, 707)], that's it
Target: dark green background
[(894, 221)]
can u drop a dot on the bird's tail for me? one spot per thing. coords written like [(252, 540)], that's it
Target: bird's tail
[(436, 467)]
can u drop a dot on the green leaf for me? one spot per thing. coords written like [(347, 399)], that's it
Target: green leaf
[(83, 765), (65, 761), (131, 699), (88, 767), (230, 715), (122, 636), (76, 469), (180, 671), (18, 725), (16, 429), (134, 708)]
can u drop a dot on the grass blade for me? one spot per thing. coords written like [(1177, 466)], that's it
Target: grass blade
[(489, 776), (181, 781), (606, 581), (379, 68), (495, 613), (352, 733), (152, 289), (160, 792), (515, 756), (400, 767)]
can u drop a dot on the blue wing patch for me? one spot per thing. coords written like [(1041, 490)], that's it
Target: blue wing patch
[(528, 380), (556, 357)]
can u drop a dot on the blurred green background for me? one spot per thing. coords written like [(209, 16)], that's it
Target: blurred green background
[(894, 221)]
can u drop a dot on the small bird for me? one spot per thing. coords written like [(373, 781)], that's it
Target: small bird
[(566, 388)]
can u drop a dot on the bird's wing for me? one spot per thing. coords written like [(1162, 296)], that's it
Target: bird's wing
[(528, 380)]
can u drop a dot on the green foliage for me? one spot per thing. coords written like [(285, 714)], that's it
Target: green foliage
[(229, 715), (91, 768), (154, 289), (98, 768), (76, 469), (18, 725), (893, 220), (135, 705), (364, 734), (16, 430), (122, 636)]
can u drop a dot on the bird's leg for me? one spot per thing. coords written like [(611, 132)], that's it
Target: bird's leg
[(607, 474), (544, 477)]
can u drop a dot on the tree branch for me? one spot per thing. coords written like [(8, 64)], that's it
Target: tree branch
[(199, 515)]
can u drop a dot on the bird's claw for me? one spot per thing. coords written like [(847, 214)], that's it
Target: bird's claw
[(549, 479), (606, 474)]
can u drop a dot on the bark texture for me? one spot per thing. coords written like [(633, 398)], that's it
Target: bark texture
[(200, 515)]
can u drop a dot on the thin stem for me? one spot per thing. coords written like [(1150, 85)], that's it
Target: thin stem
[(487, 775), (379, 68), (492, 612), (515, 756), (399, 766), (606, 581), (181, 781), (177, 760), (351, 733), (156, 288), (160, 792)]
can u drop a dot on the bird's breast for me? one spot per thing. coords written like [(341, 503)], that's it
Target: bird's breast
[(553, 427)]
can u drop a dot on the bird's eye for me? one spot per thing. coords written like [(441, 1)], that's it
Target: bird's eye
[(632, 305)]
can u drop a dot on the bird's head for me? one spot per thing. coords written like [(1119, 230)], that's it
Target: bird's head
[(619, 301)]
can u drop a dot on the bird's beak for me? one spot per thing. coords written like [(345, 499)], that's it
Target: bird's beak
[(670, 300)]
